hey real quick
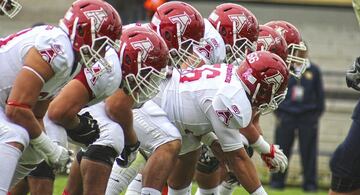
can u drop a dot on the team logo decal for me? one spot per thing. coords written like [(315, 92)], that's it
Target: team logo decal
[(145, 47), (183, 20), (224, 115), (49, 54), (239, 20), (275, 80), (266, 42), (97, 16), (281, 30)]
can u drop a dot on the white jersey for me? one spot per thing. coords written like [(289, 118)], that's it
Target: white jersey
[(107, 83), (213, 52), (205, 99), (54, 46)]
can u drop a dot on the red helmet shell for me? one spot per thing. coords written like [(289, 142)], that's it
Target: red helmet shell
[(85, 16), (178, 18), (270, 40), (264, 75)]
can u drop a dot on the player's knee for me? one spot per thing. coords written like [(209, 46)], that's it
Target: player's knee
[(19, 137), (99, 153), (43, 170), (172, 147)]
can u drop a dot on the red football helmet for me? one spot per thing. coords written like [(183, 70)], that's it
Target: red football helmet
[(293, 39), (264, 76), (10, 7), (181, 26), (144, 59), (92, 25), (270, 40), (238, 27)]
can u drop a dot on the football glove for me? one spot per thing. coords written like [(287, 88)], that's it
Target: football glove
[(128, 155), (276, 160), (353, 75), (87, 132)]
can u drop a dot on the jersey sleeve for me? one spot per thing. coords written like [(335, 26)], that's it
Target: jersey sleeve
[(212, 51), (55, 48), (232, 106), (107, 83), (230, 139)]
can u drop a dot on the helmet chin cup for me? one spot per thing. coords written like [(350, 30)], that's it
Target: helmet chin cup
[(10, 8), (93, 57), (293, 58), (238, 51), (274, 103)]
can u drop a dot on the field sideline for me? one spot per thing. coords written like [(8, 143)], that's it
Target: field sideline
[(60, 183)]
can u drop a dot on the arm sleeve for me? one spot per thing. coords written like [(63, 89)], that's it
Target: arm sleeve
[(230, 139), (55, 48), (107, 83), (232, 106)]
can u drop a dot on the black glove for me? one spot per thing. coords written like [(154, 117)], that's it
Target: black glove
[(207, 162), (128, 155), (353, 75), (87, 132)]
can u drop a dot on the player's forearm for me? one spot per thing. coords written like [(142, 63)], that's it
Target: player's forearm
[(119, 108), (64, 108), (243, 168), (25, 118), (251, 133)]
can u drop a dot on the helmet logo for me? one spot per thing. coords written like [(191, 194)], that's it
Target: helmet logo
[(97, 16), (239, 20), (145, 47), (266, 41), (276, 80), (281, 30), (183, 20)]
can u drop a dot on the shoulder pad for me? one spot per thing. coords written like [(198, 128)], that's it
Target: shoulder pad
[(232, 106), (55, 48), (107, 83)]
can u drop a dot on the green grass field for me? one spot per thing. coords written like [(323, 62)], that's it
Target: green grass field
[(60, 183)]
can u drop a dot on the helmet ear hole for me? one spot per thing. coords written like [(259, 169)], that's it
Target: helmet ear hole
[(127, 59), (167, 36), (223, 31), (80, 31)]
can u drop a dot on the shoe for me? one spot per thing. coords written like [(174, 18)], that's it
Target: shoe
[(310, 189)]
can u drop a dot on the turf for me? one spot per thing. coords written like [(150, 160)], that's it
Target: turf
[(60, 183)]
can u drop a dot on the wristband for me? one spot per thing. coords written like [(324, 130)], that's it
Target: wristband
[(261, 146)]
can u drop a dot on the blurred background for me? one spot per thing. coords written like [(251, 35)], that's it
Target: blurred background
[(329, 27)]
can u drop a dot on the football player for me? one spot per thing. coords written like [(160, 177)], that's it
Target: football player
[(37, 63), (345, 161), (144, 56), (208, 175), (10, 8), (292, 36), (189, 102), (239, 29), (193, 42)]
